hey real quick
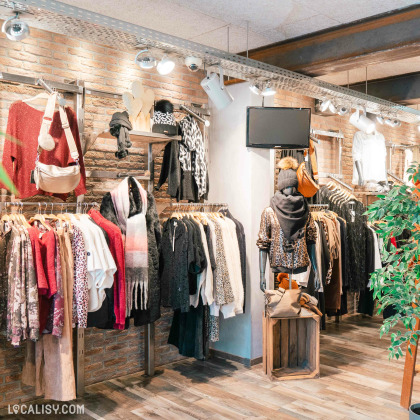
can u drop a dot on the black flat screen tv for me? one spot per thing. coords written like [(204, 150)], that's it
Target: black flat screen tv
[(274, 127)]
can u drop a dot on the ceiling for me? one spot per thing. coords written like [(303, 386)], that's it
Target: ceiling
[(207, 22)]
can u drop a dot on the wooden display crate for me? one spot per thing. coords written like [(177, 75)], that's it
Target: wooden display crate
[(291, 346)]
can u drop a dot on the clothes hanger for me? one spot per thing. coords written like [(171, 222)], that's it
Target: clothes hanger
[(40, 218), (41, 96), (22, 218)]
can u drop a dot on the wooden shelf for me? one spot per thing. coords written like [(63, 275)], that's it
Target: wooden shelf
[(157, 140)]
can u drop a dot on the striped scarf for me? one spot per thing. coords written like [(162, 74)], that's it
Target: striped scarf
[(134, 229)]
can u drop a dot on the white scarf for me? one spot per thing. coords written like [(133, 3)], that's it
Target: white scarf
[(136, 248)]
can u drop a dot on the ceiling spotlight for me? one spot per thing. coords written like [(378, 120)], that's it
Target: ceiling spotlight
[(343, 110), (193, 63), (393, 122), (362, 122), (268, 91), (332, 108), (165, 66), (215, 88), (255, 88), (146, 61), (15, 29), (325, 105), (380, 119)]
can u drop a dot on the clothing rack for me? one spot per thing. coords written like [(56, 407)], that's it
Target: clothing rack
[(77, 88), (193, 207), (334, 178), (317, 207), (195, 115), (40, 204), (333, 134), (181, 205), (397, 178)]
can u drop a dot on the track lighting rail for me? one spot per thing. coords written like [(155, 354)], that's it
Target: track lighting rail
[(61, 18)]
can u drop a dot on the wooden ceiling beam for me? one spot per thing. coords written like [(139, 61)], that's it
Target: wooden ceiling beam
[(387, 37), (404, 89)]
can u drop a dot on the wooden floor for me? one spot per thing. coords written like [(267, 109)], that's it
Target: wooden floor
[(357, 382)]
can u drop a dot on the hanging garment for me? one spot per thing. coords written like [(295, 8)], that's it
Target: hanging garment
[(116, 247), (192, 153), (408, 160), (240, 233), (21, 145), (57, 378), (152, 313), (370, 151), (4, 245), (174, 265), (81, 281), (22, 292), (171, 171), (100, 264), (136, 248)]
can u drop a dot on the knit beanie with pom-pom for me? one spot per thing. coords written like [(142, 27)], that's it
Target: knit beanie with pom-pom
[(287, 175)]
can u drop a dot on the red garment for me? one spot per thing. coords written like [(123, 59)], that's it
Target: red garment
[(43, 248), (394, 241), (116, 246), (23, 125)]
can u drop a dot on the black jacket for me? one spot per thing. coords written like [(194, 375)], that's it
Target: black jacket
[(174, 265), (142, 317), (181, 184)]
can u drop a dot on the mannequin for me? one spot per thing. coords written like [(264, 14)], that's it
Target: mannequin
[(264, 253)]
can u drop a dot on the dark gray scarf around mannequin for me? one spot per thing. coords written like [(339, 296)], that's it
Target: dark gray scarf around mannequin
[(292, 211)]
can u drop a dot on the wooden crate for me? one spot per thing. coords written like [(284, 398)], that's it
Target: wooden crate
[(291, 347)]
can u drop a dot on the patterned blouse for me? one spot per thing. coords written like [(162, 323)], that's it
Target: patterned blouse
[(55, 322), (22, 305), (272, 239), (80, 285)]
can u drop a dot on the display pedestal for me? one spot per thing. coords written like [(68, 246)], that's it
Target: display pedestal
[(291, 347)]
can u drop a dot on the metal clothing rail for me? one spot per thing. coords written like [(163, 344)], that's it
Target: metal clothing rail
[(397, 178), (333, 134), (75, 88), (191, 112), (5, 204), (181, 205), (334, 178)]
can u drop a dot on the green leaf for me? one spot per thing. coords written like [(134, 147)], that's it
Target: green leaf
[(6, 181)]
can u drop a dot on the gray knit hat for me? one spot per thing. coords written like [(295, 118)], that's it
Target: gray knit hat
[(287, 178), (287, 175)]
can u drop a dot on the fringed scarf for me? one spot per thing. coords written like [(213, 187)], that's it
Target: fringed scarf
[(134, 229)]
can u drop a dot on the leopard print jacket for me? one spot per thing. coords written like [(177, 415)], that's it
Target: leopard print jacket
[(272, 239)]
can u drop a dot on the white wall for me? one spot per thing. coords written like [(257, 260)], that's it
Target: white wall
[(243, 178)]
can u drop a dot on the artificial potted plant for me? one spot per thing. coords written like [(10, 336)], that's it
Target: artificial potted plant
[(397, 284)]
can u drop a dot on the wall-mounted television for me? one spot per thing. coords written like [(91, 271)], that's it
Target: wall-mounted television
[(274, 127)]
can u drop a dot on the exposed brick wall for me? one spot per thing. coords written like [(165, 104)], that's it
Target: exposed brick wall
[(54, 57)]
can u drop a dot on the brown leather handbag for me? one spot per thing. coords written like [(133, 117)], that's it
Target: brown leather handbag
[(307, 186)]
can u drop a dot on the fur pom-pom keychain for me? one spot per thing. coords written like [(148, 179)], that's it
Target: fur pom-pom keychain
[(288, 163)]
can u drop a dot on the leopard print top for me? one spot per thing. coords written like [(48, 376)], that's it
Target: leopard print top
[(272, 239)]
